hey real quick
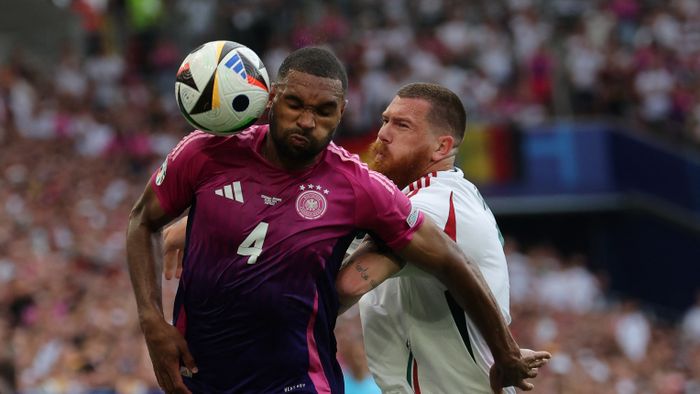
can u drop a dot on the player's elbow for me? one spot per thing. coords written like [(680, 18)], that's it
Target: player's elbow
[(136, 212), (350, 285), (141, 220), (137, 215)]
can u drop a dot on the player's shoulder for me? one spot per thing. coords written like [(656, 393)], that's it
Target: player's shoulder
[(439, 186), (250, 135), (357, 172), (432, 183), (199, 141), (342, 159)]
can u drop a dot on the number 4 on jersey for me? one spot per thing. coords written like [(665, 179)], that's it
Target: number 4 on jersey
[(252, 244)]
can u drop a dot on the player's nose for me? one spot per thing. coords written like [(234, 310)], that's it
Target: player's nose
[(384, 134), (306, 119)]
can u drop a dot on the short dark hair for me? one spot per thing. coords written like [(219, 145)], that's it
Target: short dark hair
[(447, 109), (315, 61)]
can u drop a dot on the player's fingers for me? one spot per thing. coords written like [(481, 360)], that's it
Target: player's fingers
[(537, 363), (178, 270), (532, 373), (175, 383), (541, 355), (187, 358), (170, 258), (525, 386), (531, 354)]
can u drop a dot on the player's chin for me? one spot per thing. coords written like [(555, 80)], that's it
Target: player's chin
[(378, 162), (303, 153)]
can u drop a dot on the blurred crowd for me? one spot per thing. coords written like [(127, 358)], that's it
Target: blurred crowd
[(78, 144), (521, 61)]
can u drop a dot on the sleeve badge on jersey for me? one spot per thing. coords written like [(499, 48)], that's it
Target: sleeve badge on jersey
[(160, 177), (413, 217)]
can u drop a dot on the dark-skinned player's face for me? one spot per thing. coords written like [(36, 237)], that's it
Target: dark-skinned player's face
[(305, 112)]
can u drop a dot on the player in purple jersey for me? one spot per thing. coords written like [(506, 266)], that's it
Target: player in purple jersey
[(271, 213)]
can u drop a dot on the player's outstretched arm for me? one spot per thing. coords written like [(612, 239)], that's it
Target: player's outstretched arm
[(365, 269), (434, 252), (166, 346), (173, 248)]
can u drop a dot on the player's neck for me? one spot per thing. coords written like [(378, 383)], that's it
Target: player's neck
[(445, 164)]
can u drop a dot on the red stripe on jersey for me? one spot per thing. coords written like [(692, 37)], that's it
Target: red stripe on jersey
[(416, 386), (424, 181), (411, 194), (451, 225)]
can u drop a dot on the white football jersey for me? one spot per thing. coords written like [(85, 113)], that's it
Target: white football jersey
[(417, 338)]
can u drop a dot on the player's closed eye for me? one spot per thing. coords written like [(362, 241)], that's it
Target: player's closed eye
[(295, 105), (324, 111)]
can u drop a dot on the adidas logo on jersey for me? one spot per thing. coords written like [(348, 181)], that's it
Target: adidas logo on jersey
[(231, 192)]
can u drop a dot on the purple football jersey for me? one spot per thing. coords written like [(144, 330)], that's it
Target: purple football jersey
[(257, 301)]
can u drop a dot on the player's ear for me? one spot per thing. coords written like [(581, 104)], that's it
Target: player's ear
[(271, 96), (443, 148), (343, 104)]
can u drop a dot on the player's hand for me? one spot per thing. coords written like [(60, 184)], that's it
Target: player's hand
[(515, 373), (172, 254), (166, 347)]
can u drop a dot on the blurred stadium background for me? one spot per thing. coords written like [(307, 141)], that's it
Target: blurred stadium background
[(584, 137)]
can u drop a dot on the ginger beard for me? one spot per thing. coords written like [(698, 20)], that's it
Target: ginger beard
[(401, 169)]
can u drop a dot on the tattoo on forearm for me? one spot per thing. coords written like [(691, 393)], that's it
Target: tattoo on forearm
[(363, 274), (363, 271)]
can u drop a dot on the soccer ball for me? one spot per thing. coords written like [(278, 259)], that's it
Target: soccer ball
[(222, 87)]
